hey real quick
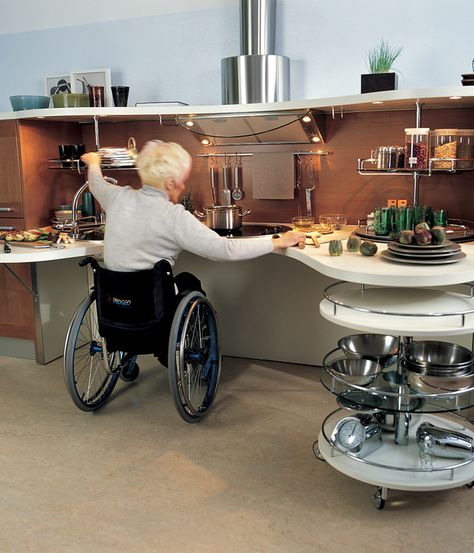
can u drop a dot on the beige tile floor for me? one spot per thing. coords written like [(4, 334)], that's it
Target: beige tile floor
[(135, 478)]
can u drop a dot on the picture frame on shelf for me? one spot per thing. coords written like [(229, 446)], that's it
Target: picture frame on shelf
[(57, 84), (93, 77)]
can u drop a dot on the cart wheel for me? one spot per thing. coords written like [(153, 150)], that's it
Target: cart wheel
[(317, 452), (470, 485), (379, 501)]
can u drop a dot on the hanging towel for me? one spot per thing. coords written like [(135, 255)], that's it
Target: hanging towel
[(273, 176)]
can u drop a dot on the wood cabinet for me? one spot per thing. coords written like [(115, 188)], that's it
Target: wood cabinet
[(11, 204)]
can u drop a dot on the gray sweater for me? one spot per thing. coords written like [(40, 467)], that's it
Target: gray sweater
[(143, 226)]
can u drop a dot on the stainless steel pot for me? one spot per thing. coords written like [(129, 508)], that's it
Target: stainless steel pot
[(222, 217)]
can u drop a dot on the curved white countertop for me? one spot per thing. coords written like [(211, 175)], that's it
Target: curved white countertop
[(351, 267), (24, 254), (355, 267)]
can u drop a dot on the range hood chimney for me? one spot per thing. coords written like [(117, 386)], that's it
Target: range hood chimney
[(258, 75)]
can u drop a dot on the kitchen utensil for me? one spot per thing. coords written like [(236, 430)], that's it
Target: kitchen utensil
[(226, 183), (237, 192), (376, 347), (439, 354), (223, 217), (449, 382), (22, 102), (360, 434), (305, 183), (444, 442), (71, 100), (214, 179), (357, 370)]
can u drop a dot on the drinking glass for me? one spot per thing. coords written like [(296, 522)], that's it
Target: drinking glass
[(382, 221), (440, 218)]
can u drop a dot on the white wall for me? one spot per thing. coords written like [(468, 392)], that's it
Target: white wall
[(175, 55)]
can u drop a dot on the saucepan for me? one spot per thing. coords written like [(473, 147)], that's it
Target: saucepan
[(222, 217)]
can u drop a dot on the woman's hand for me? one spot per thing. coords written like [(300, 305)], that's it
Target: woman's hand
[(91, 158), (290, 238)]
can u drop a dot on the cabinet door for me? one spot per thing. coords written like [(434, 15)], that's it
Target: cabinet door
[(10, 174), (6, 223), (16, 303)]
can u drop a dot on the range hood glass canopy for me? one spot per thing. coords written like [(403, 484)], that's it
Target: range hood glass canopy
[(262, 128)]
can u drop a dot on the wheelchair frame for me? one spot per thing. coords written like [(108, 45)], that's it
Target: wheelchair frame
[(91, 370)]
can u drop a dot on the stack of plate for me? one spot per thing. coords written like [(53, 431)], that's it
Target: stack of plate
[(432, 254), (116, 157), (467, 79)]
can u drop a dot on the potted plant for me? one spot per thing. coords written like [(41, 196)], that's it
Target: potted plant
[(380, 61)]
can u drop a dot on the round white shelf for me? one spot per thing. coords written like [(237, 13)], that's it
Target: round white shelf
[(409, 475), (401, 311)]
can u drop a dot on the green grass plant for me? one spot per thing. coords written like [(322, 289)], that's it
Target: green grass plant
[(381, 58)]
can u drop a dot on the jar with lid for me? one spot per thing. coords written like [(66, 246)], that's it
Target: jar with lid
[(388, 157), (416, 149), (465, 149), (444, 146)]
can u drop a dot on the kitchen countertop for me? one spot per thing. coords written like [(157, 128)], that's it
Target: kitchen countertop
[(350, 266), (24, 254)]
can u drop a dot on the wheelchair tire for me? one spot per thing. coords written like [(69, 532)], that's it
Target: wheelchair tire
[(194, 360), (87, 379)]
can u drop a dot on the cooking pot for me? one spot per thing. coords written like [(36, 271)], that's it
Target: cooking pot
[(222, 217)]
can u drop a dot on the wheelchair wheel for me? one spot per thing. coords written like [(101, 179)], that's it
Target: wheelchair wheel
[(89, 378), (194, 360)]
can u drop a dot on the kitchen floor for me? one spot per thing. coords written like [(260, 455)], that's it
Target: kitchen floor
[(134, 477)]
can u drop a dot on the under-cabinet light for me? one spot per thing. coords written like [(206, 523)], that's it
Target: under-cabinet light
[(378, 102), (189, 123), (315, 139), (455, 97), (306, 119), (205, 142)]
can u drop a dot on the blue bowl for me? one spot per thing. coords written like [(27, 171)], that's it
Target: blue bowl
[(29, 102)]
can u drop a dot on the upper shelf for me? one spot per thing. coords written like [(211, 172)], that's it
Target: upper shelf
[(432, 98)]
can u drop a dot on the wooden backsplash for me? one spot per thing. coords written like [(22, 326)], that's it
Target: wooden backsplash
[(340, 188)]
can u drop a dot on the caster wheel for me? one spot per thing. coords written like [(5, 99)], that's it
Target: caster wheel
[(379, 501), (130, 369), (317, 452), (470, 485)]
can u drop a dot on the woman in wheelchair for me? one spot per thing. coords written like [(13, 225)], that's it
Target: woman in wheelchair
[(136, 306)]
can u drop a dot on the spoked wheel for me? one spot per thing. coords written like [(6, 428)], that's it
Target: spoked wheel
[(194, 360), (89, 378)]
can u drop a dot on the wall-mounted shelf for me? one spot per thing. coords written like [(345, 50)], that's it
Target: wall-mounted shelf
[(368, 167)]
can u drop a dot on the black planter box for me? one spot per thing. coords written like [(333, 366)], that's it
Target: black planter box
[(375, 82)]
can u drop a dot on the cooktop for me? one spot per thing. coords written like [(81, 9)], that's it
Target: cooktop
[(250, 230)]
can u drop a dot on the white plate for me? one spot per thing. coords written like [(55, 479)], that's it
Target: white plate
[(424, 255), (427, 247), (386, 254)]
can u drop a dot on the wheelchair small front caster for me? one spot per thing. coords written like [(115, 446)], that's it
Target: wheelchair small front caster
[(470, 485), (130, 369), (379, 499)]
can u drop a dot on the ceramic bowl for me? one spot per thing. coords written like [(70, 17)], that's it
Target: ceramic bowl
[(70, 100), (29, 102)]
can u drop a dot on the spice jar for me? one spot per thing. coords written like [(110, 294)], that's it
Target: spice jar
[(416, 149), (465, 149)]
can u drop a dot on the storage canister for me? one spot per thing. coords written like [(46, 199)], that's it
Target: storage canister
[(465, 149), (417, 142), (444, 146)]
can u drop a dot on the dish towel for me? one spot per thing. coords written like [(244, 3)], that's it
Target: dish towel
[(273, 176)]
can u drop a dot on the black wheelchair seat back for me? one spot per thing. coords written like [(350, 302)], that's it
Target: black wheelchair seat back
[(135, 309)]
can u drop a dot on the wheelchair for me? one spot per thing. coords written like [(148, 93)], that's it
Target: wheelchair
[(131, 313)]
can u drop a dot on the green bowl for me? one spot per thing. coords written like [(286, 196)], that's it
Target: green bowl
[(29, 102), (70, 100)]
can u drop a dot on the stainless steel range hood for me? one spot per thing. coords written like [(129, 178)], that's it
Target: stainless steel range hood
[(258, 75), (282, 127)]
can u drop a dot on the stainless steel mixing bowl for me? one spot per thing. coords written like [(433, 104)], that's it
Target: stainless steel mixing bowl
[(376, 347)]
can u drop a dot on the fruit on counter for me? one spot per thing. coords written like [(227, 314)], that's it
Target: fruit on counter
[(368, 248), (423, 237), (406, 237), (438, 235), (422, 226), (335, 247), (353, 243)]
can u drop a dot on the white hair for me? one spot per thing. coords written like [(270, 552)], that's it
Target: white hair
[(160, 161)]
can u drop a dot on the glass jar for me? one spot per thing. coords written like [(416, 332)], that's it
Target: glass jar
[(444, 146), (465, 149), (416, 149)]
